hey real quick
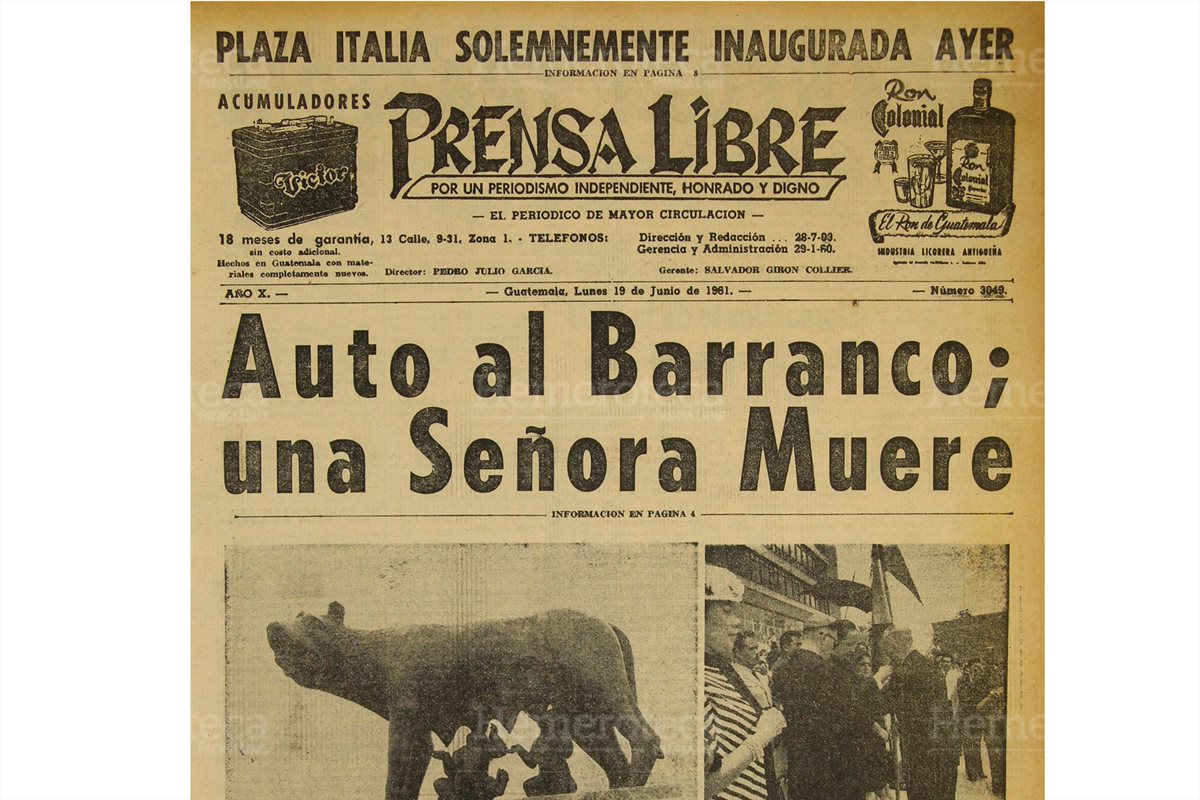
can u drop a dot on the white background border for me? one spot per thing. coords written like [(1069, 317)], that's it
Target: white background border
[(94, 591)]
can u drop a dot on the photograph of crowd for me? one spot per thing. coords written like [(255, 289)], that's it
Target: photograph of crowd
[(855, 672)]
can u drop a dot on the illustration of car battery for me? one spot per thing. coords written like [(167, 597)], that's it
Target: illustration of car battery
[(295, 170)]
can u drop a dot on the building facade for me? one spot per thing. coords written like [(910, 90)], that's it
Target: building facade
[(779, 580)]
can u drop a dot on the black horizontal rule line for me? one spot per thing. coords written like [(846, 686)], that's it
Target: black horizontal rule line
[(370, 516), (861, 72), (698, 279), (542, 299), (859, 514), (674, 198), (535, 73), (588, 176), (378, 74)]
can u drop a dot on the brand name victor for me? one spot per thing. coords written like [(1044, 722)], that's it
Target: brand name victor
[(293, 182)]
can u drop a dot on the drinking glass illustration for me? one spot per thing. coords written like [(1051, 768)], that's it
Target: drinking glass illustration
[(901, 185), (920, 180), (937, 149)]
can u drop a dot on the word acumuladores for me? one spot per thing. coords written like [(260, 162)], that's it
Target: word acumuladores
[(779, 445)]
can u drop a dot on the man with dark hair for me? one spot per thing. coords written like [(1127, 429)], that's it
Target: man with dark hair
[(789, 643), (745, 648), (972, 689), (747, 661), (995, 733)]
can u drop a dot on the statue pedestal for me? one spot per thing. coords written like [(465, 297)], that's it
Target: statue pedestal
[(656, 792)]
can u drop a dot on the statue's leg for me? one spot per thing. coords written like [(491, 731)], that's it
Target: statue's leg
[(552, 748), (567, 783), (409, 751), (533, 786), (644, 745), (602, 747)]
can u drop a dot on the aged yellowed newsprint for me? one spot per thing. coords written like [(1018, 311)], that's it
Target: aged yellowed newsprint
[(617, 400)]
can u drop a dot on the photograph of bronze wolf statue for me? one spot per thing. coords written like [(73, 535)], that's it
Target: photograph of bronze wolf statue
[(560, 664)]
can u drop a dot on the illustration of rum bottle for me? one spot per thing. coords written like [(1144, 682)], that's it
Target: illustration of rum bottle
[(979, 144)]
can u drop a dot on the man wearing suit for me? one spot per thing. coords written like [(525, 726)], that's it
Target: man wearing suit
[(916, 694), (972, 690), (804, 687)]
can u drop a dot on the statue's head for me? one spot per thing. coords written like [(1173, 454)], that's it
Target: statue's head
[(311, 650)]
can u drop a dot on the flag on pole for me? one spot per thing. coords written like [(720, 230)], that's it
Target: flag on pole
[(881, 607), (885, 559), (892, 561), (888, 559)]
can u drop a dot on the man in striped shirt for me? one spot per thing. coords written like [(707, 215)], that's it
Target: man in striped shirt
[(738, 728)]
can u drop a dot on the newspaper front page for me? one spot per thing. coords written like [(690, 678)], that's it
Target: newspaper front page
[(617, 400)]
